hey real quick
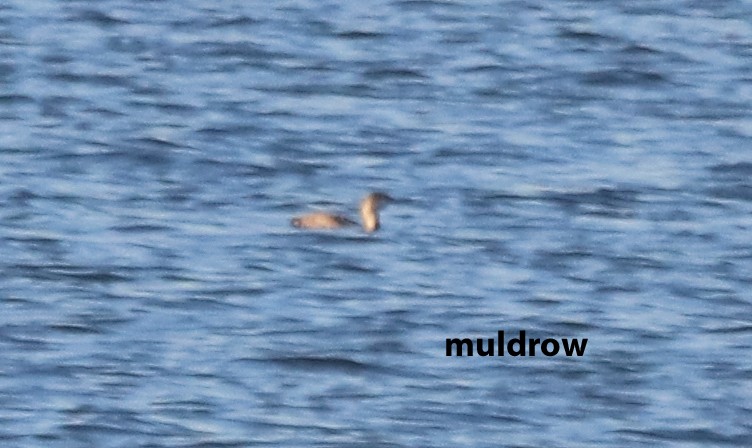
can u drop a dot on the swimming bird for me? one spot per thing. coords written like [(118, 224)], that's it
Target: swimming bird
[(369, 215)]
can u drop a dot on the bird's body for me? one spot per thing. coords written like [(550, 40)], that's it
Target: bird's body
[(369, 215), (321, 220)]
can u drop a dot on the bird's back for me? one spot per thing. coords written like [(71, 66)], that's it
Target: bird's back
[(321, 220)]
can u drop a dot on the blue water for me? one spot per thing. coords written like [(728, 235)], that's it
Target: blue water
[(571, 169)]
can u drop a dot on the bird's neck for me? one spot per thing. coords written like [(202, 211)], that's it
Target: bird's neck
[(370, 218)]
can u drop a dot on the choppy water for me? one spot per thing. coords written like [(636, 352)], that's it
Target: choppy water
[(572, 169)]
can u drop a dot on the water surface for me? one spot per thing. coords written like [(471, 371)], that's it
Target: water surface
[(571, 169)]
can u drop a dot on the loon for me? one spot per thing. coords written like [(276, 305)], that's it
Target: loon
[(369, 215)]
